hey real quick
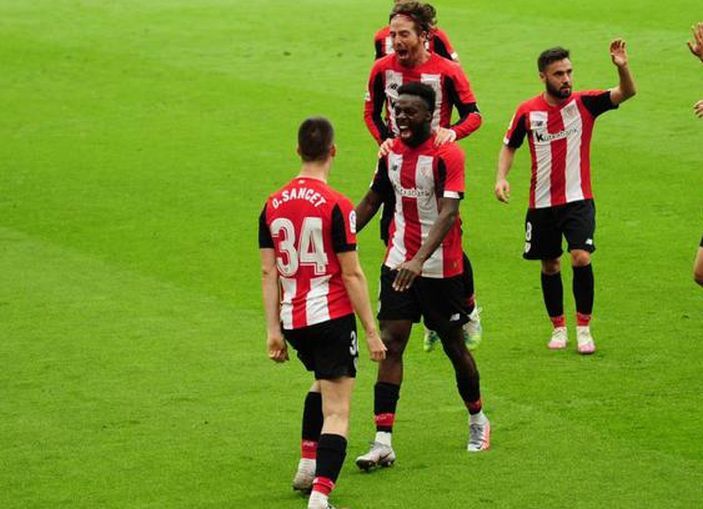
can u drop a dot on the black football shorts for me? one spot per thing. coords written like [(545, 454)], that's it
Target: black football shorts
[(441, 302), (544, 228), (330, 349)]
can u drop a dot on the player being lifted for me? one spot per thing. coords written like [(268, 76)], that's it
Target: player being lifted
[(307, 240), (411, 23), (437, 41), (421, 275), (558, 125)]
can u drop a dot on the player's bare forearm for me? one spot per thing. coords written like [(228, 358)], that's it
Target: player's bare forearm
[(269, 290), (505, 163), (626, 86), (448, 213), (367, 208)]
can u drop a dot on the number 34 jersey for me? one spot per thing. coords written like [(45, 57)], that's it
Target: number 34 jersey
[(307, 223)]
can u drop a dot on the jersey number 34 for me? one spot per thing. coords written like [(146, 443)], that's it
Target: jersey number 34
[(310, 248)]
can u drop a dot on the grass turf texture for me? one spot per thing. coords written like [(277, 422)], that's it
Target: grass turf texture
[(140, 141)]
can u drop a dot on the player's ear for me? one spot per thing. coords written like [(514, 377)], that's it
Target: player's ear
[(333, 151), (297, 151), (542, 77)]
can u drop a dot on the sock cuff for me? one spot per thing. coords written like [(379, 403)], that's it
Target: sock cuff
[(324, 485), (332, 441), (583, 269)]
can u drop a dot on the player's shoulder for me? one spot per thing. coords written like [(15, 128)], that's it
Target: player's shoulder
[(590, 93), (446, 65), (450, 151), (384, 63), (337, 197), (533, 103)]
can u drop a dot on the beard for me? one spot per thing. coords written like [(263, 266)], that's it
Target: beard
[(562, 93)]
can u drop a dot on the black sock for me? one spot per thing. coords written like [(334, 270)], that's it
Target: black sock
[(583, 289), (331, 451), (312, 417), (553, 293), (385, 402)]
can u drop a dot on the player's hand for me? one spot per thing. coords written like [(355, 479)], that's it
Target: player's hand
[(698, 109), (277, 348), (407, 272), (377, 350), (696, 45), (502, 190), (385, 148), (618, 53), (444, 135)]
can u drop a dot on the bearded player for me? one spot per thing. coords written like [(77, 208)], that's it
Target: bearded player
[(558, 125)]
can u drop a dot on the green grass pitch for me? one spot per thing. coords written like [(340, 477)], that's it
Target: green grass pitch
[(139, 142)]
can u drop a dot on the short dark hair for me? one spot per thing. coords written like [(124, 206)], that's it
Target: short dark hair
[(551, 55), (424, 15), (315, 139), (425, 92)]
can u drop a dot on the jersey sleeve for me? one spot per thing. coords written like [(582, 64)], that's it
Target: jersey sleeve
[(450, 167), (463, 99), (381, 183), (597, 102), (265, 238), (373, 106), (442, 46), (516, 130), (343, 227)]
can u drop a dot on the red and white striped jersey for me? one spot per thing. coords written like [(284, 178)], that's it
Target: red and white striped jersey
[(307, 222), (448, 80), (560, 145), (438, 42), (419, 177)]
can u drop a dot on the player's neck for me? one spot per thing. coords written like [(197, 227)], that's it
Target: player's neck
[(554, 100), (316, 170)]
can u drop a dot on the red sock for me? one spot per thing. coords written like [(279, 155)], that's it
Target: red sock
[(474, 407), (582, 320), (324, 485), (558, 321), (384, 422), (308, 449)]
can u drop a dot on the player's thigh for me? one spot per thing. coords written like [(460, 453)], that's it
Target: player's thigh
[(444, 303), (329, 349), (394, 305), (578, 222), (542, 235)]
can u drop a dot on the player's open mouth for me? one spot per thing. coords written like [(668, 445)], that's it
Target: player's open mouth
[(401, 52), (404, 131)]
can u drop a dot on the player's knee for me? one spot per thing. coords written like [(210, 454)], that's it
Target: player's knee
[(551, 266), (580, 258)]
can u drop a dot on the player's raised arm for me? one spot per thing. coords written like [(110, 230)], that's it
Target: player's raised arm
[(696, 45), (626, 87)]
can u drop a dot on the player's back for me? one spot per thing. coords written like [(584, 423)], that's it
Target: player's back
[(307, 224)]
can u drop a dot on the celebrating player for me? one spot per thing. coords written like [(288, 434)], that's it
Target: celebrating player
[(421, 274), (307, 240), (410, 26), (437, 40), (558, 125)]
